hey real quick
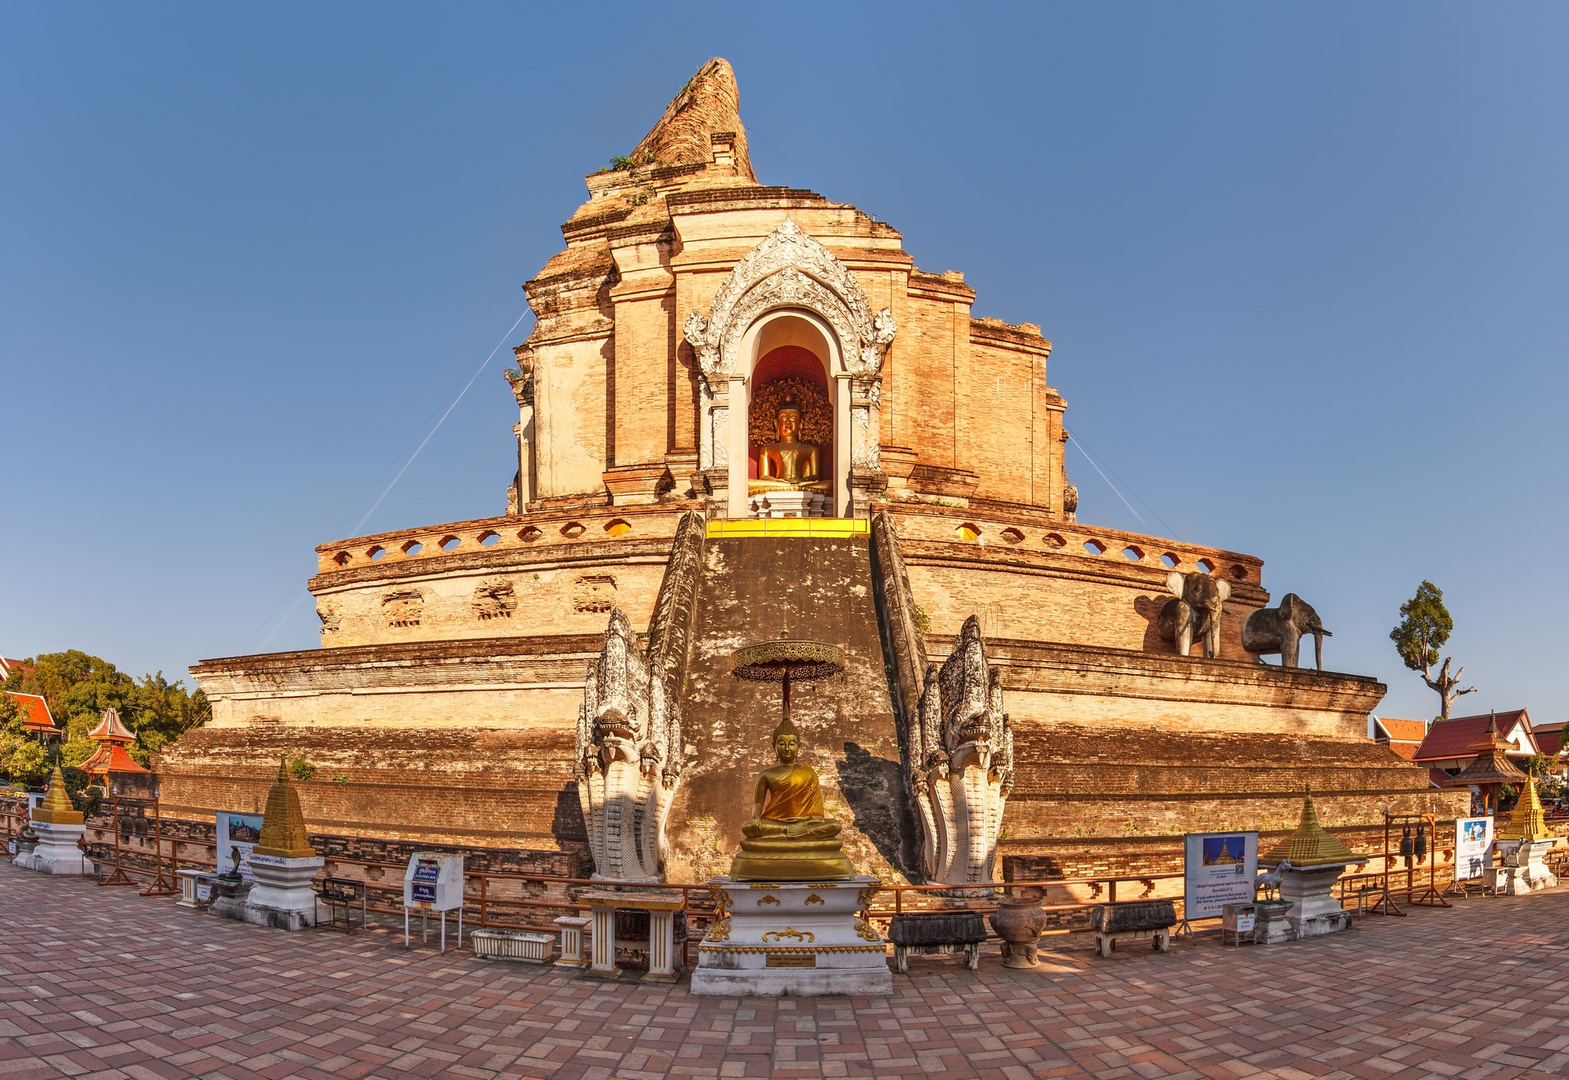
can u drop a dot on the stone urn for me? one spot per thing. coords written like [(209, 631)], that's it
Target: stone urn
[(1019, 922)]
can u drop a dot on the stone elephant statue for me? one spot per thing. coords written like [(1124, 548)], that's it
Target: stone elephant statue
[(1195, 613), (1280, 630)]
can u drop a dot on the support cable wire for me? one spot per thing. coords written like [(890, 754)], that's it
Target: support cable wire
[(1087, 457), (294, 588)]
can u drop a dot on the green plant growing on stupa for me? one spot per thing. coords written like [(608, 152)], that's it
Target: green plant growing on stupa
[(301, 769)]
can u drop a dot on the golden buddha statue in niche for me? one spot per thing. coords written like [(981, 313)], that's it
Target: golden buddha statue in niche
[(788, 838), (788, 464)]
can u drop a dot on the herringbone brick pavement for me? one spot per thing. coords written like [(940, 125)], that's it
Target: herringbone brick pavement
[(100, 982)]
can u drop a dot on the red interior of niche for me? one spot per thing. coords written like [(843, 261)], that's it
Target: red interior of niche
[(788, 362)]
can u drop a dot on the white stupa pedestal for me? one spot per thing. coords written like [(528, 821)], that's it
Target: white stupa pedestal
[(1522, 867), (788, 504), (282, 896), (798, 938), (57, 852), (1309, 891)]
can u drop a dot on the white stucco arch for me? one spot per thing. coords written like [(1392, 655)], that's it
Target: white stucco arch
[(789, 275), (769, 331)]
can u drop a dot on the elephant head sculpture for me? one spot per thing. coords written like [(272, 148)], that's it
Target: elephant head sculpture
[(1195, 613), (1280, 630)]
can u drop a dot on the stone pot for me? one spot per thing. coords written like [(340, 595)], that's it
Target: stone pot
[(1019, 922)]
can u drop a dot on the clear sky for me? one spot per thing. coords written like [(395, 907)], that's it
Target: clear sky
[(1305, 268)]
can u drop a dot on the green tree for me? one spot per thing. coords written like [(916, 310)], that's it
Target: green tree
[(1425, 625), (1538, 764), (28, 762), (79, 687)]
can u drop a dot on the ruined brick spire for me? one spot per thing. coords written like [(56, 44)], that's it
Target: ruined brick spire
[(708, 105)]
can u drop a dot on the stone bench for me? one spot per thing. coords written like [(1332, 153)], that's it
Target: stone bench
[(1133, 919), (927, 934)]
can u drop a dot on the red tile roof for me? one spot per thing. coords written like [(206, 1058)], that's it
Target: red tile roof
[(111, 730), (1437, 778), (110, 758), (1412, 731), (1549, 742), (1452, 738), (36, 713), (1404, 750)]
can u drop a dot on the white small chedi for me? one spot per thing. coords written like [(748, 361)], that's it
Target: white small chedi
[(962, 769), (628, 760), (59, 827), (1523, 845)]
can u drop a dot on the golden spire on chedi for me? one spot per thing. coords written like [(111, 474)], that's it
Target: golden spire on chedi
[(1310, 845), (1529, 820), (283, 823), (56, 809)]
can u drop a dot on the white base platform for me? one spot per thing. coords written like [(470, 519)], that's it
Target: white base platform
[(798, 938), (57, 852), (1314, 909), (789, 504), (282, 897), (1531, 873)]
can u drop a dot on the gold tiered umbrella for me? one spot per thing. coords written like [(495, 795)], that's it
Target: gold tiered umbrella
[(787, 660)]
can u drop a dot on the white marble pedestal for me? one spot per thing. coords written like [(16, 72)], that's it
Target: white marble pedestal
[(57, 852), (1309, 891), (797, 938), (788, 504), (281, 896), (1523, 867)]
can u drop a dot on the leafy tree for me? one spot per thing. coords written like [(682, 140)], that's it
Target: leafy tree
[(28, 762), (79, 687), (12, 732), (1538, 764), (1424, 626)]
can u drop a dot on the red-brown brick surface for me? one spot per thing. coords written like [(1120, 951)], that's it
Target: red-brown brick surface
[(104, 983)]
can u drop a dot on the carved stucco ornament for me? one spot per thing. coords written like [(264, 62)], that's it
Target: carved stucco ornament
[(628, 762), (964, 767), (788, 269)]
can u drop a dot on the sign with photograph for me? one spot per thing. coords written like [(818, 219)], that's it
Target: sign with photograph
[(1218, 869), (237, 834), (1473, 847)]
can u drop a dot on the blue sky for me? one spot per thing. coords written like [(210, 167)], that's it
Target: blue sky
[(1305, 268)]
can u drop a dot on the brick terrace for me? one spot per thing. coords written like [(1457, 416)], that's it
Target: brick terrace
[(102, 982)]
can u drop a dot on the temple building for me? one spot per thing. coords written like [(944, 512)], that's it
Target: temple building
[(745, 414)]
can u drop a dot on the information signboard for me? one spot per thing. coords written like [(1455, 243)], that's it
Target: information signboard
[(1473, 847), (237, 835), (1218, 869), (433, 882)]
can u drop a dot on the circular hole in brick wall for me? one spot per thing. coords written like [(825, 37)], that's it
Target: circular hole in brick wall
[(1132, 554), (1205, 566), (530, 534), (375, 553), (1094, 547), (487, 538), (449, 543), (1169, 560), (342, 558), (618, 527), (413, 547)]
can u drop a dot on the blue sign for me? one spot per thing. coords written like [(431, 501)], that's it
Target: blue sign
[(424, 887)]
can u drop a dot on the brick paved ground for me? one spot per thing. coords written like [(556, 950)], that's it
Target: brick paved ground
[(105, 983)]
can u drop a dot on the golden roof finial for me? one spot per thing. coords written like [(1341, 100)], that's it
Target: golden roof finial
[(56, 809), (283, 823), (1310, 845), (1529, 820)]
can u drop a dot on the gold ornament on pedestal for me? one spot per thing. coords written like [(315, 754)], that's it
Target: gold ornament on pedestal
[(789, 838)]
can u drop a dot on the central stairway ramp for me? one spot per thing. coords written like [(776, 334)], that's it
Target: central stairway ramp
[(756, 588)]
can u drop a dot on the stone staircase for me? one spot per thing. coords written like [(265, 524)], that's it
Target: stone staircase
[(754, 589)]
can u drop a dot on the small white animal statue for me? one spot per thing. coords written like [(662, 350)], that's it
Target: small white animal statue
[(1269, 881)]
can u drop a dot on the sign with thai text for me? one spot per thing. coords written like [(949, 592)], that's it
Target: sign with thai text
[(1218, 869), (237, 835), (424, 885), (1473, 847)]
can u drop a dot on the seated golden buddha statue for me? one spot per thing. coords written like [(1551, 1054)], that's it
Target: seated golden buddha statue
[(789, 464), (788, 838)]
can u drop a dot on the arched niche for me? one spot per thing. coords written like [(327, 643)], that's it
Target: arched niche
[(789, 331)]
